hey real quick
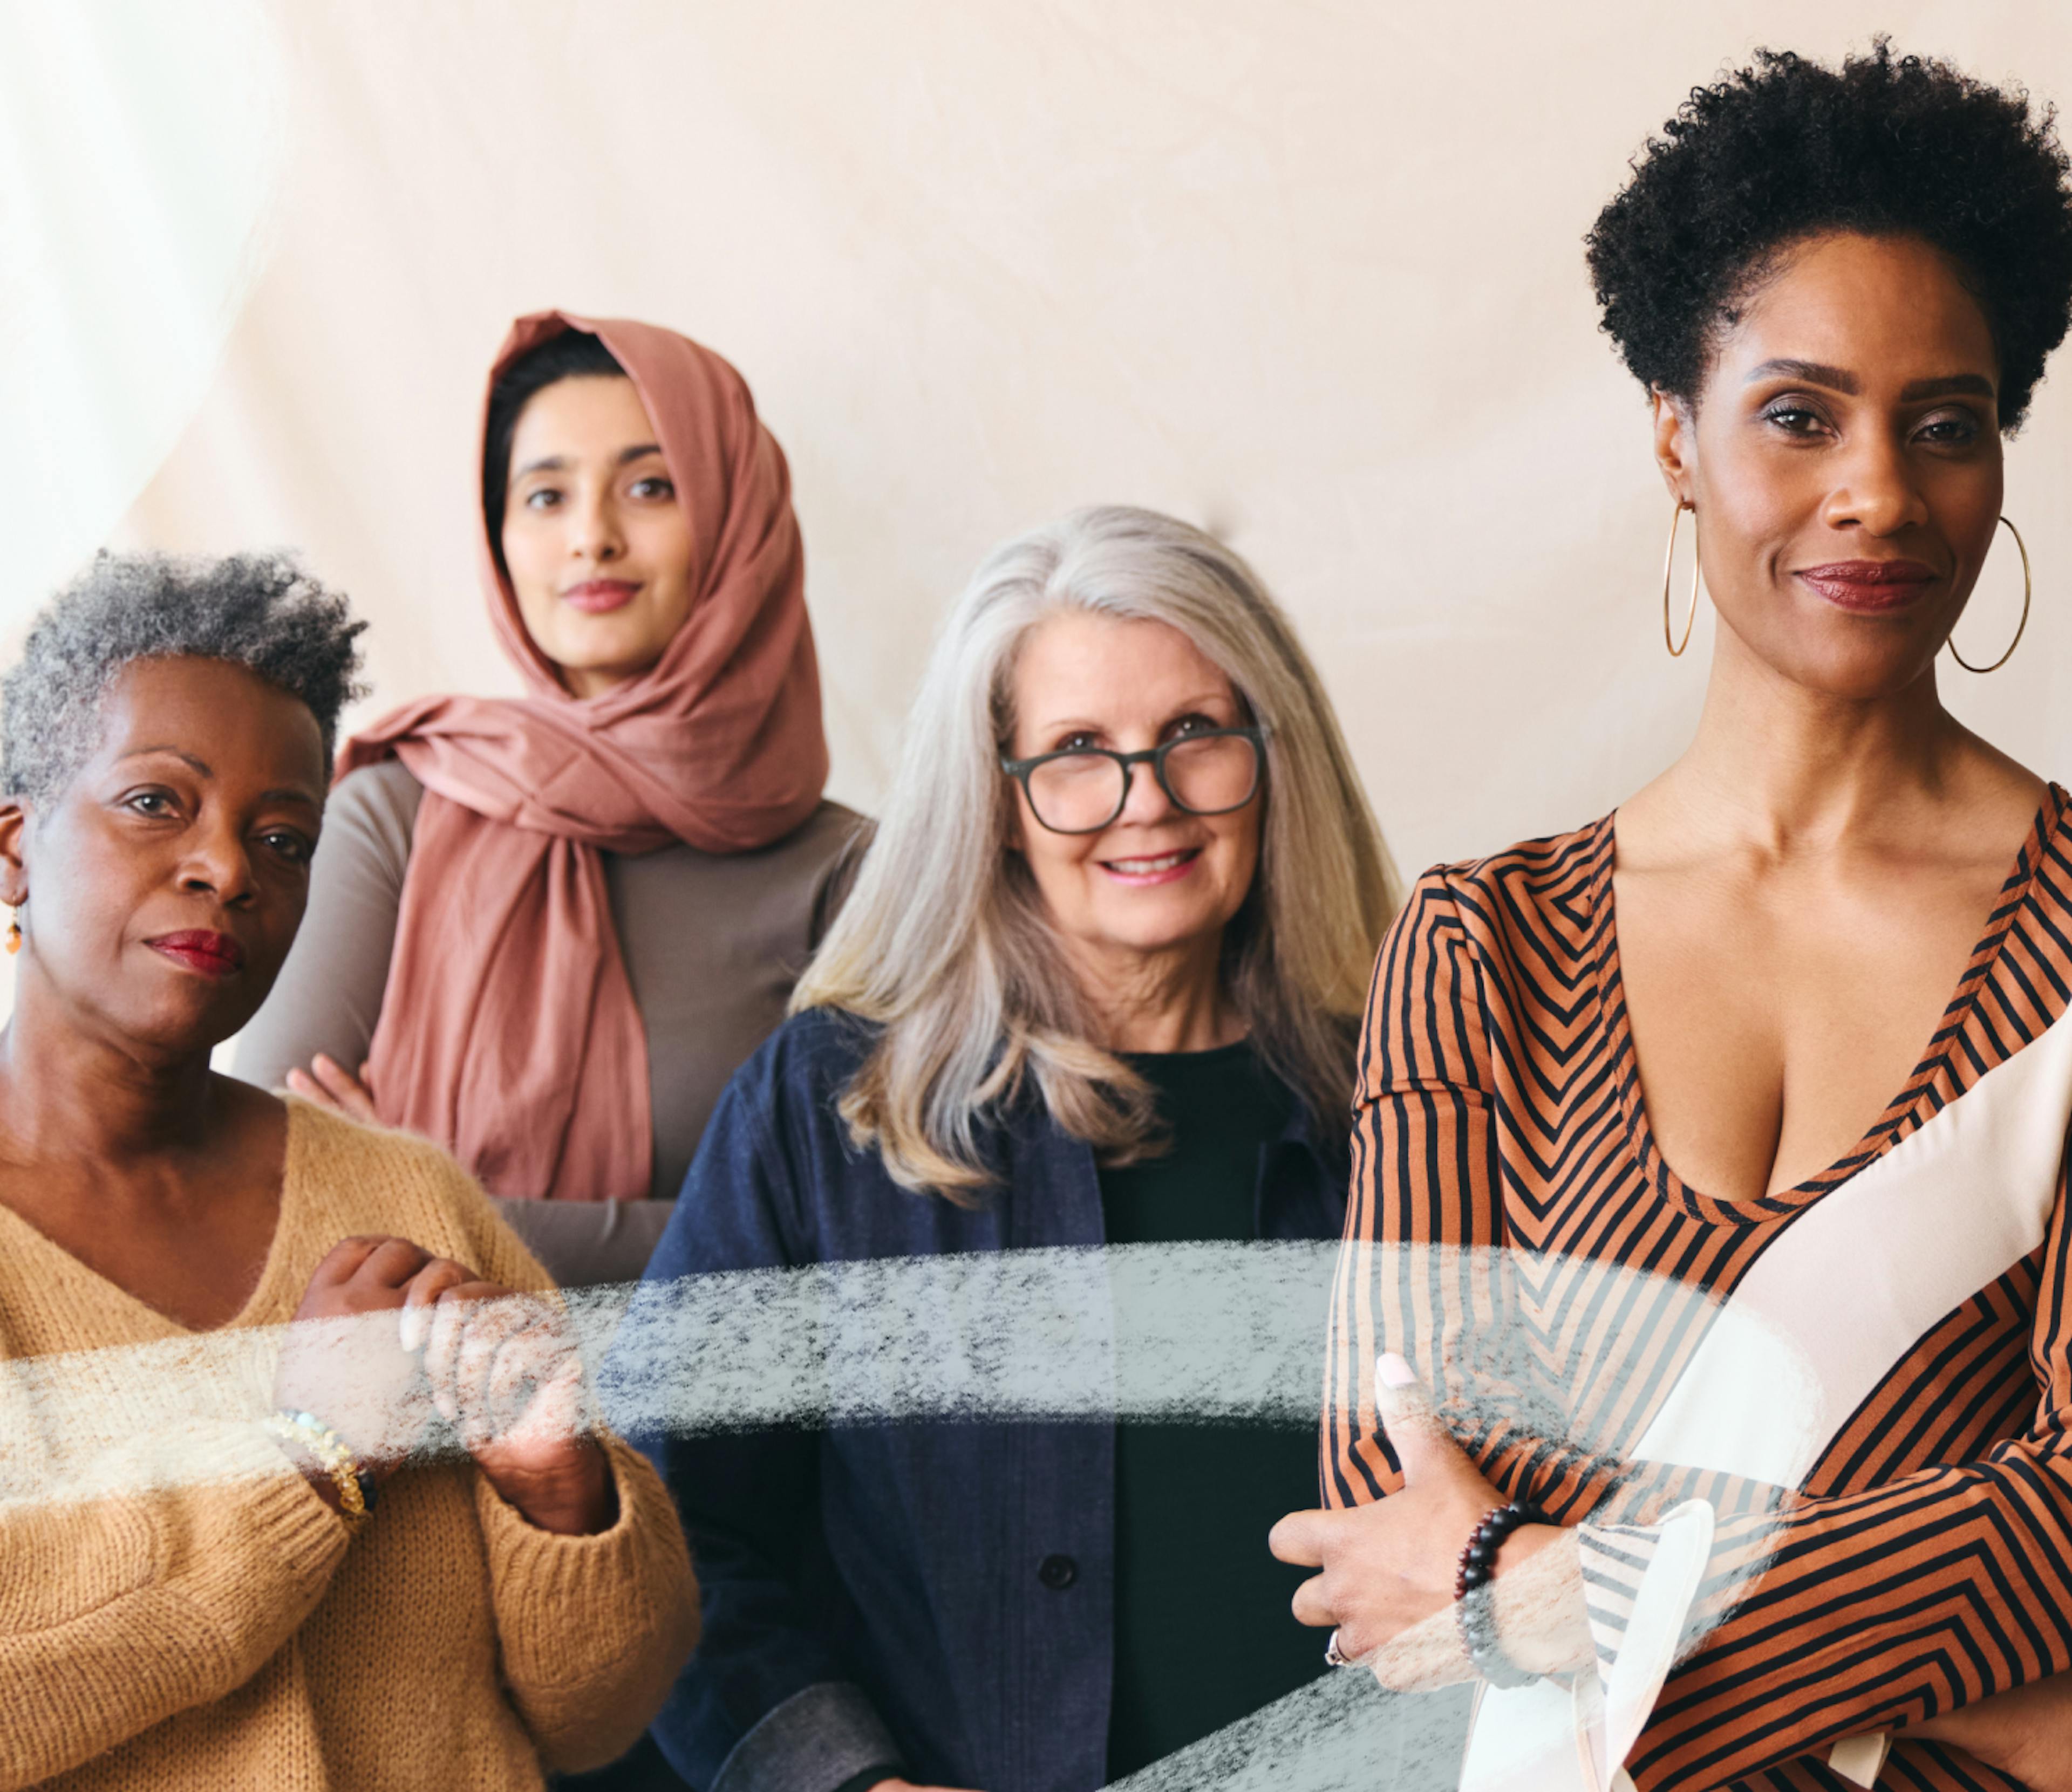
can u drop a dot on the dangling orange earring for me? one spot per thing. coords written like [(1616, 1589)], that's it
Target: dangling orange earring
[(15, 935)]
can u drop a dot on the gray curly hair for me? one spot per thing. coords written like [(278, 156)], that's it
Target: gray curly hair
[(260, 611)]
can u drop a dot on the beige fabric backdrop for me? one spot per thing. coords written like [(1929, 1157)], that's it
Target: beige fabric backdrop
[(1308, 273)]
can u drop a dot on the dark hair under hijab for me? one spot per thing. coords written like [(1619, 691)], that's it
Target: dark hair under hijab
[(573, 355)]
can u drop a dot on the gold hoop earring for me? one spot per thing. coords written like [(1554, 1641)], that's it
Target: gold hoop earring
[(2021, 548), (1668, 565)]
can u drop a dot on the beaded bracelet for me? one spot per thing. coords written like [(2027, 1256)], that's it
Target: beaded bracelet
[(1475, 1604), (333, 1455)]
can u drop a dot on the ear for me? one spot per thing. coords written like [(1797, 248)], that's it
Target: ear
[(1676, 445), (14, 858)]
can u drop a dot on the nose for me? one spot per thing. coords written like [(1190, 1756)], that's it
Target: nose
[(217, 864), (1145, 801), (1878, 493), (594, 534)]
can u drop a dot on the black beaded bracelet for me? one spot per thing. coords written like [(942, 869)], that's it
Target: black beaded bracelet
[(1474, 1603)]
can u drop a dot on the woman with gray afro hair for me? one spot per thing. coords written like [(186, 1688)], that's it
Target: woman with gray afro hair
[(167, 744), (260, 611)]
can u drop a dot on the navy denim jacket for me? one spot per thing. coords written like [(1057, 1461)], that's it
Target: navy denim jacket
[(936, 1596)]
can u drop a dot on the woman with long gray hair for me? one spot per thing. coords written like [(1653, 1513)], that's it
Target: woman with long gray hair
[(1095, 985)]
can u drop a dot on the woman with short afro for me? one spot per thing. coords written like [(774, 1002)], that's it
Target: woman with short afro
[(228, 1321), (1719, 1146)]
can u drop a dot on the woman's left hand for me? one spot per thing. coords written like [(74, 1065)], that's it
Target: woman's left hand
[(505, 1373), (1390, 1565), (330, 1085)]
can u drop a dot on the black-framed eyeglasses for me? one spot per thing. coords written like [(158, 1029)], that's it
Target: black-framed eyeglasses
[(1083, 790)]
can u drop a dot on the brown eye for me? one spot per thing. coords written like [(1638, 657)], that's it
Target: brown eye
[(1792, 417), (1951, 429)]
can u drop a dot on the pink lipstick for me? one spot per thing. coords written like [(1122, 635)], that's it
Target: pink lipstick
[(601, 596)]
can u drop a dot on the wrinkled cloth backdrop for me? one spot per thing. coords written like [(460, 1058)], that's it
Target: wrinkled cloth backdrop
[(1309, 274)]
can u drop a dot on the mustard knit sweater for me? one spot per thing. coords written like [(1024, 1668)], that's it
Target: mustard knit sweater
[(165, 1628)]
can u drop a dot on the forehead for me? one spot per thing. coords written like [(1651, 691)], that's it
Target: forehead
[(1074, 663), (587, 413), (1887, 309), (244, 728)]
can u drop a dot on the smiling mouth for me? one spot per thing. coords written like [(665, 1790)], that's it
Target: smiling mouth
[(600, 597), (1869, 584), (1163, 868)]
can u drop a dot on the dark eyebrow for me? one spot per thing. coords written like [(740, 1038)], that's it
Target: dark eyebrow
[(1815, 373), (1974, 385), (556, 463), (301, 797), (200, 765), (1840, 380)]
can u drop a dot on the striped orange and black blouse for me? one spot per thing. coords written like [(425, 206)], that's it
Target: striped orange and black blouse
[(1866, 1376)]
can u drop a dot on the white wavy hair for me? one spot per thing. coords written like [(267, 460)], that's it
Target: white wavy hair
[(944, 942)]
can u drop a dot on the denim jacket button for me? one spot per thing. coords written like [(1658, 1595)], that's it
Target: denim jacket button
[(1058, 1573)]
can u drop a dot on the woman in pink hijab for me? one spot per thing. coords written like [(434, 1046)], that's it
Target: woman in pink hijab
[(543, 930)]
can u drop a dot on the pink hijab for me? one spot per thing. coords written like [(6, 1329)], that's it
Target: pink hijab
[(508, 1030)]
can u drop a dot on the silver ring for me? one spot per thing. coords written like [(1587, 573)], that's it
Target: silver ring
[(1334, 1656)]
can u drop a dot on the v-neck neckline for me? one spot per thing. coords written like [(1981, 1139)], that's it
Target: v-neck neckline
[(155, 1321), (1900, 1116)]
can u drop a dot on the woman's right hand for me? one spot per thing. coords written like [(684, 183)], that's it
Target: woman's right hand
[(358, 1379), (330, 1085), (2026, 1733)]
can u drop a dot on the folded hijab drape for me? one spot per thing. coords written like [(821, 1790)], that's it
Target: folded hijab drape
[(508, 1029)]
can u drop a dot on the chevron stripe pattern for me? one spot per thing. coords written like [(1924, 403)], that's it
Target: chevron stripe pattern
[(1513, 1230)]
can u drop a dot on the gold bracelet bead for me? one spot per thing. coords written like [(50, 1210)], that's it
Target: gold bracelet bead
[(331, 1453)]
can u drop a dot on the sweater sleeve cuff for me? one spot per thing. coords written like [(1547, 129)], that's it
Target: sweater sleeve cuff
[(308, 1538), (824, 1738), (628, 1592)]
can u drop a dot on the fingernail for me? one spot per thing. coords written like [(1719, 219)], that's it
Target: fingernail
[(1394, 1371)]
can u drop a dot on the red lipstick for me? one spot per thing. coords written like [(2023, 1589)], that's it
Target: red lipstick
[(1869, 585), (601, 596), (209, 954)]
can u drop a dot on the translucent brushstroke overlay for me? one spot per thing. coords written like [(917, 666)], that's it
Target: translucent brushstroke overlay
[(1202, 1332), (1206, 1332)]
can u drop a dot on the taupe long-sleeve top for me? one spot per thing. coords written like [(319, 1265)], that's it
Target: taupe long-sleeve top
[(224, 1629), (712, 943)]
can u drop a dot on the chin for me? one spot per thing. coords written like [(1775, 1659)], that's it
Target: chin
[(1160, 933), (1863, 678), (174, 1031)]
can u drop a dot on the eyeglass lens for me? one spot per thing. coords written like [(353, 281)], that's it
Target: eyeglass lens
[(1076, 792)]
